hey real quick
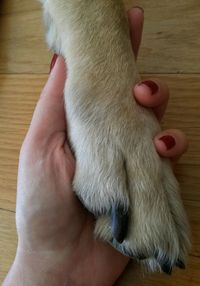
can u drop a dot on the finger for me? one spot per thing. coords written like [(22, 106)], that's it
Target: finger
[(136, 22), (153, 93), (171, 143), (49, 114)]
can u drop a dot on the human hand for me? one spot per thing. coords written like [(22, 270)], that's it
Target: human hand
[(154, 93), (56, 244)]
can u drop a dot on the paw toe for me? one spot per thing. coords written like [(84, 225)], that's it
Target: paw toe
[(164, 262)]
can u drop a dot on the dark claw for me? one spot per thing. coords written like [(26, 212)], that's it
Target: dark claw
[(156, 254), (121, 248), (180, 264), (119, 223), (166, 268), (164, 263), (140, 256)]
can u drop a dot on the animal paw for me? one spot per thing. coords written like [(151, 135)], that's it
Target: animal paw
[(158, 232)]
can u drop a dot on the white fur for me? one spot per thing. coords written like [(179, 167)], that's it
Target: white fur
[(111, 135)]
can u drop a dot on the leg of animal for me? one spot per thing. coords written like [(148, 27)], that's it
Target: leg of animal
[(119, 176)]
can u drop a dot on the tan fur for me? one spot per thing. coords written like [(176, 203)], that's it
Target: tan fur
[(111, 134)]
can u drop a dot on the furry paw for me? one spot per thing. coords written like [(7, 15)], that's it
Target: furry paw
[(134, 195), (119, 176), (52, 34), (102, 187), (158, 232)]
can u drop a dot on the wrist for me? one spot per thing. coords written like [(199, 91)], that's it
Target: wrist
[(31, 269)]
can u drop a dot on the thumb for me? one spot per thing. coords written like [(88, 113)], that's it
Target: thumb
[(49, 114)]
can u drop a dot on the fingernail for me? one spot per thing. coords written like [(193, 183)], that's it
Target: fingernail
[(53, 61), (169, 141), (140, 8), (151, 85)]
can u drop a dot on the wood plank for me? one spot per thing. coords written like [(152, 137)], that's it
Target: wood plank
[(22, 43), (189, 178), (8, 241), (170, 40), (170, 43)]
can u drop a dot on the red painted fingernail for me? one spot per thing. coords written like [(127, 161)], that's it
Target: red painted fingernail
[(53, 61), (140, 8), (169, 141), (151, 84)]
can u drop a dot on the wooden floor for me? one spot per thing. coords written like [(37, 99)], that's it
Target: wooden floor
[(171, 50)]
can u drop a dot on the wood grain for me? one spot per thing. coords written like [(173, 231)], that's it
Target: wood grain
[(22, 43), (8, 241), (171, 45), (171, 42)]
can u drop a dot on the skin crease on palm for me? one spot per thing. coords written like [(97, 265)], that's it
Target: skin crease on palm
[(55, 232)]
